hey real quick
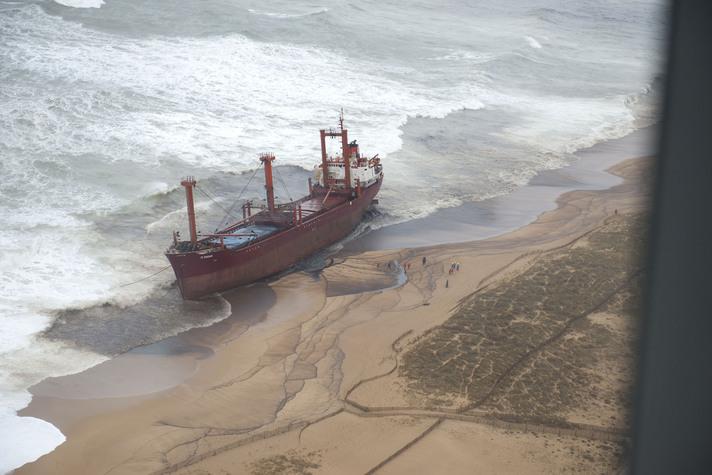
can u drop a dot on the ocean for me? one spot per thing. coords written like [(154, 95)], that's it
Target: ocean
[(105, 105)]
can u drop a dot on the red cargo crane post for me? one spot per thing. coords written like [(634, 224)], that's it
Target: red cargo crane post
[(189, 183), (267, 159)]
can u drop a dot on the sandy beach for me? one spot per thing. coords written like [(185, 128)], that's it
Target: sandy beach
[(312, 371)]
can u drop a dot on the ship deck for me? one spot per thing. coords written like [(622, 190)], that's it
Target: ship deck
[(247, 234), (244, 235), (317, 204)]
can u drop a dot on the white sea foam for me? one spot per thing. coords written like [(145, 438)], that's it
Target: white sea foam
[(174, 220), (557, 125), (31, 437), (81, 3), (533, 42), (288, 15), (26, 359), (230, 78), (468, 56)]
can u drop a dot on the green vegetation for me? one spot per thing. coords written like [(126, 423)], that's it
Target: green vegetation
[(293, 463), (530, 346)]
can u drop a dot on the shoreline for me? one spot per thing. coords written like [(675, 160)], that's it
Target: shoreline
[(70, 402), (474, 221)]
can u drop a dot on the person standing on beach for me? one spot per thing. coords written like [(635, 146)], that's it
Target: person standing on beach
[(424, 260)]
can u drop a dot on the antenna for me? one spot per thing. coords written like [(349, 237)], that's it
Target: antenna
[(341, 119)]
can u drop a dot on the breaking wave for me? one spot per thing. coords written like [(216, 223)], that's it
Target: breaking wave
[(81, 3), (288, 15)]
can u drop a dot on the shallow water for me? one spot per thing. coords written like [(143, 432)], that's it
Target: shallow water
[(477, 220)]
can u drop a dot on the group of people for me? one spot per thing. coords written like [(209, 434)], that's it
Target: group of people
[(391, 265), (406, 265), (454, 267)]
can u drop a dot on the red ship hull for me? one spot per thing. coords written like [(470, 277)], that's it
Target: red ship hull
[(200, 273)]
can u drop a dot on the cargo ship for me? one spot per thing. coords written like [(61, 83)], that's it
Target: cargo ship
[(273, 237)]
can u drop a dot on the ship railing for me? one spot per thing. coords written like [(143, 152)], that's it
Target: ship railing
[(242, 222), (263, 216), (222, 236), (279, 219), (309, 211), (214, 235)]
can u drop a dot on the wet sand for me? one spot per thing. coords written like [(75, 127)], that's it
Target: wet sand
[(264, 391)]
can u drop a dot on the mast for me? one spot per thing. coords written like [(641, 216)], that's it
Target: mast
[(345, 151), (267, 159), (189, 183), (324, 164), (346, 155)]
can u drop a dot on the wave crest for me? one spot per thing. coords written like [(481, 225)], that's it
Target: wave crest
[(81, 3), (288, 15)]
